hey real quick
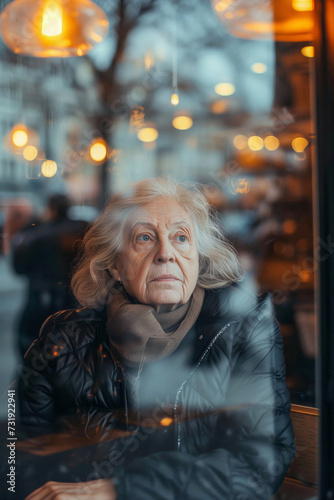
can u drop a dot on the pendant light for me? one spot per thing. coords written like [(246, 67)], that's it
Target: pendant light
[(53, 28), (280, 20)]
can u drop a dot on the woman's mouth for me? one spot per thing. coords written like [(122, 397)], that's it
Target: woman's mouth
[(166, 277)]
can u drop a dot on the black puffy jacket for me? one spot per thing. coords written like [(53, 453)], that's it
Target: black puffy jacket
[(209, 422)]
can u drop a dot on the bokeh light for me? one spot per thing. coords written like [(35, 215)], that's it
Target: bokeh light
[(166, 421), (49, 168), (218, 107), (271, 142), (30, 153), (303, 5), (240, 141), (98, 151), (299, 144), (308, 51), (20, 138), (174, 99), (224, 89), (289, 226), (182, 122), (147, 134), (255, 143), (259, 67)]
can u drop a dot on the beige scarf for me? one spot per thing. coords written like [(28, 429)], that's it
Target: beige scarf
[(139, 334)]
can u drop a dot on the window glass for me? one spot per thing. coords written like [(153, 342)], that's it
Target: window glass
[(216, 93)]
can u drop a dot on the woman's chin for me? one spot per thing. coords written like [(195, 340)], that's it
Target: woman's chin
[(166, 300)]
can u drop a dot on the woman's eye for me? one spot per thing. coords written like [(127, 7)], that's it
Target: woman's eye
[(181, 238), (144, 237)]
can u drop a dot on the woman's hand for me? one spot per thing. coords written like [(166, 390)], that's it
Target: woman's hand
[(101, 489)]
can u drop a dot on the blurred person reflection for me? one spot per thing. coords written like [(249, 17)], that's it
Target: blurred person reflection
[(44, 252)]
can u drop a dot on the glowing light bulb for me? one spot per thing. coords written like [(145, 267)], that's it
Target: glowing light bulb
[(98, 151), (182, 122), (224, 89), (147, 134), (255, 143), (52, 20), (175, 99), (20, 138), (52, 28), (299, 144), (49, 168), (308, 51)]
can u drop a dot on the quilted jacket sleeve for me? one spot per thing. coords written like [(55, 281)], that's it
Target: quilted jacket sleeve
[(36, 385), (253, 443)]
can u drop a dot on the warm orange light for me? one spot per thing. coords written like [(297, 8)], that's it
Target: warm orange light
[(308, 51), (289, 226), (224, 88), (305, 276), (149, 61), (53, 28), (98, 151), (259, 67), (299, 144), (271, 142), (222, 5), (240, 141), (30, 153), (255, 143), (182, 122), (147, 134), (166, 421), (303, 5), (49, 168), (19, 138), (175, 99), (218, 107), (52, 21), (283, 20)]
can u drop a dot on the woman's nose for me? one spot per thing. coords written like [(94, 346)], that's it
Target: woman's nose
[(164, 252)]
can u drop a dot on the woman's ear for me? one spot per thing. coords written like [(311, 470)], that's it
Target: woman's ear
[(115, 274)]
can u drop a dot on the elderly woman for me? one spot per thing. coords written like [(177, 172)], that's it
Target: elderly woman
[(172, 371)]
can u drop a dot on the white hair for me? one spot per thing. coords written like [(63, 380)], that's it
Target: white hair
[(101, 246)]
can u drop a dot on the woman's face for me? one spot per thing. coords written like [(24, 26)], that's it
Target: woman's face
[(158, 264)]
